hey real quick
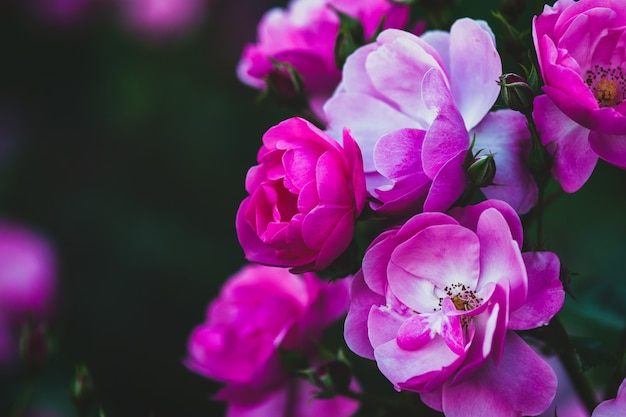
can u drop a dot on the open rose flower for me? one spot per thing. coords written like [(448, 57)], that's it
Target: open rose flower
[(305, 195), (259, 311), (414, 104), (436, 303), (304, 36), (580, 48)]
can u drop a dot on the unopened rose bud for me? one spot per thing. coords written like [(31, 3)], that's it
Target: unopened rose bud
[(284, 82), (482, 171), (517, 93)]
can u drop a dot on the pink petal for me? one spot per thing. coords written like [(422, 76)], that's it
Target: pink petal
[(611, 148), (500, 258), (523, 384), (469, 216), (367, 118), (439, 255), (362, 299), (574, 160), (475, 68), (448, 184), (403, 84), (504, 133), (545, 292), (420, 368), (447, 136)]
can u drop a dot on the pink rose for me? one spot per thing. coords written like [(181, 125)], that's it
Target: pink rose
[(27, 273), (580, 48), (259, 310), (414, 104), (436, 303), (304, 36), (305, 194)]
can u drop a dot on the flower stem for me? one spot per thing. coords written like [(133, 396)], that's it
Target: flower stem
[(569, 359)]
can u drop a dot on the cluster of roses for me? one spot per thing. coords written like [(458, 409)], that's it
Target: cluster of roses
[(440, 293)]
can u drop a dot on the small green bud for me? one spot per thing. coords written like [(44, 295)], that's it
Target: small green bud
[(517, 93), (284, 84), (482, 171)]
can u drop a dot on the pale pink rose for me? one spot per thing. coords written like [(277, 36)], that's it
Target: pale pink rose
[(27, 273), (304, 36), (414, 104), (436, 304), (615, 407), (259, 310), (162, 17), (581, 51), (305, 195)]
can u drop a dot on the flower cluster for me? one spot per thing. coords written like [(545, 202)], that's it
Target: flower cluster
[(415, 176)]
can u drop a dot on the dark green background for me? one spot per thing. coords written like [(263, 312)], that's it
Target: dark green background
[(130, 155)]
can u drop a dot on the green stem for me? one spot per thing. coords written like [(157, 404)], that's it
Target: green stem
[(569, 359)]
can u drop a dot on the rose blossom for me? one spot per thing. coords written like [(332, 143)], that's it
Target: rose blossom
[(259, 311), (580, 48), (413, 104), (27, 273), (304, 36), (304, 197), (436, 303)]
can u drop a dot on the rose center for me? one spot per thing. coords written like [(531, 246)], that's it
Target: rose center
[(463, 298), (608, 85)]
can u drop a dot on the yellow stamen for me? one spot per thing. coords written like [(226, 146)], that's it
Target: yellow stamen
[(606, 92)]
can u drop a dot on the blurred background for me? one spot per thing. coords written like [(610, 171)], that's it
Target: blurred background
[(125, 138)]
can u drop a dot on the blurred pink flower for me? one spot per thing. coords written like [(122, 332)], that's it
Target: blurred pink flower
[(27, 273), (414, 104), (162, 18), (259, 310), (305, 195), (581, 51), (436, 303), (304, 36)]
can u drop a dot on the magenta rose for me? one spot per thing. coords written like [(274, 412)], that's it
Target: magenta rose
[(158, 18), (436, 304), (260, 309), (305, 195), (27, 273), (414, 105), (304, 36), (580, 48)]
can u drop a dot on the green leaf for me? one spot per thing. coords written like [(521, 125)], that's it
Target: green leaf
[(592, 353), (351, 36)]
